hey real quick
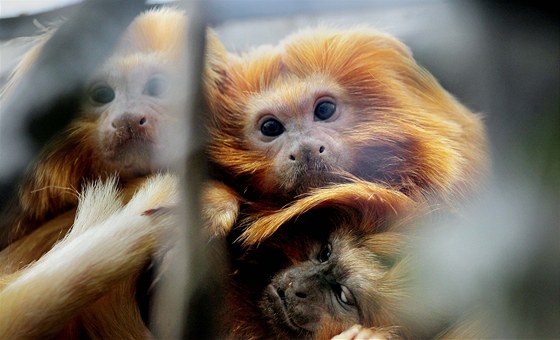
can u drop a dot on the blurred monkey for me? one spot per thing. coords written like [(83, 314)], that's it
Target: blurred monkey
[(338, 267), (72, 274), (125, 107)]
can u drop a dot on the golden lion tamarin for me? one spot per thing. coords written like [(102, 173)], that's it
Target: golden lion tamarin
[(125, 106), (328, 104), (85, 284), (314, 282), (69, 290), (339, 265)]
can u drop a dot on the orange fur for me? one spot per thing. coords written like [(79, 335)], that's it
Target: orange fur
[(395, 126), (221, 207), (379, 204), (86, 151), (368, 227), (372, 233)]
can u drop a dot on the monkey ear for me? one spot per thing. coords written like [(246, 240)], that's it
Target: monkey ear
[(374, 203), (215, 65)]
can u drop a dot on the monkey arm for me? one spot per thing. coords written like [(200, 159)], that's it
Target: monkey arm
[(379, 202)]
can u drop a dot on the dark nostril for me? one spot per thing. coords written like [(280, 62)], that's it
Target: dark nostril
[(301, 295), (321, 149), (292, 157), (142, 121)]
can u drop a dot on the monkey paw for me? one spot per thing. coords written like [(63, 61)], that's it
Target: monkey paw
[(220, 208), (359, 332)]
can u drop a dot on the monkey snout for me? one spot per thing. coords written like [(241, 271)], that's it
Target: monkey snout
[(129, 121), (307, 154), (295, 289)]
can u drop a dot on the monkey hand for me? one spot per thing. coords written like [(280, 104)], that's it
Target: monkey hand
[(220, 208), (358, 332)]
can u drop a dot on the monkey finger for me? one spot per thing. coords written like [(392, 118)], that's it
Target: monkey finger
[(358, 332), (372, 334), (348, 334)]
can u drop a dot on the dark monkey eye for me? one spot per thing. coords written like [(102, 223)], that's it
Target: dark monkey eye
[(272, 128), (324, 110), (102, 94), (325, 253), (156, 86)]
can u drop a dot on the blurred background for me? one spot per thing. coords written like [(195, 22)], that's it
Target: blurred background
[(501, 59)]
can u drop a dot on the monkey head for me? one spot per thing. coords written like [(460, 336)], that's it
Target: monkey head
[(344, 279), (324, 103), (127, 103), (334, 258), (129, 98)]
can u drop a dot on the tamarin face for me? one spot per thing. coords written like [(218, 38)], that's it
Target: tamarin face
[(299, 125), (129, 98), (323, 266), (336, 282), (129, 101), (325, 103)]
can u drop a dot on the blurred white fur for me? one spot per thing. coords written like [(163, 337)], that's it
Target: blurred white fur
[(108, 241)]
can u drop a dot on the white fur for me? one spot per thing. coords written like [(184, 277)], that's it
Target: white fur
[(107, 243), (97, 202)]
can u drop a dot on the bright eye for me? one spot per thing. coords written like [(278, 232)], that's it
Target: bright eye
[(325, 110), (345, 295), (325, 253), (272, 128), (102, 94), (156, 86)]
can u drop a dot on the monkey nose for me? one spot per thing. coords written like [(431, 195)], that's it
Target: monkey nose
[(129, 121), (300, 294), (306, 154)]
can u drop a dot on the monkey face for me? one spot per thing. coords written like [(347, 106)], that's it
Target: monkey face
[(299, 125), (129, 102), (339, 282)]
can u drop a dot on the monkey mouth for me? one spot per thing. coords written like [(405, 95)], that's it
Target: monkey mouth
[(308, 178), (131, 156), (134, 149), (279, 309), (136, 142)]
